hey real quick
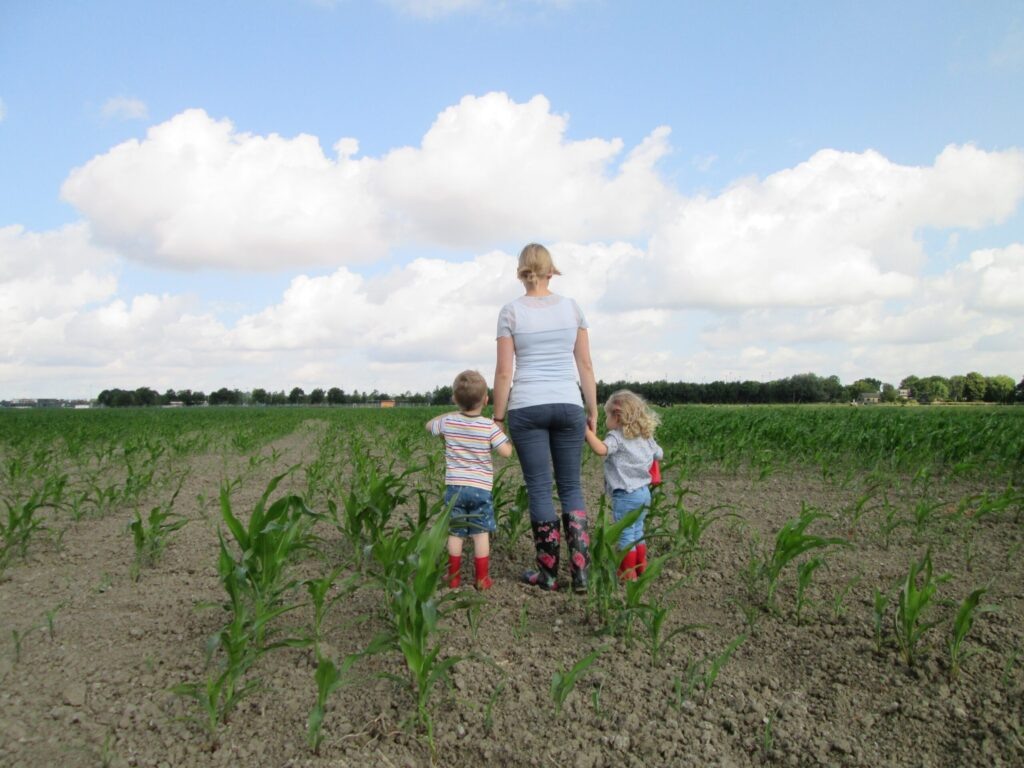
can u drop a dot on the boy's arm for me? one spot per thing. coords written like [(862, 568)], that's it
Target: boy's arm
[(505, 449), (433, 426), (596, 443)]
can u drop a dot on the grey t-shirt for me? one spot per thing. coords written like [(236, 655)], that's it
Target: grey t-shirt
[(543, 329), (628, 463)]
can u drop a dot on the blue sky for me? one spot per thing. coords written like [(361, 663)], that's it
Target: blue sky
[(301, 193)]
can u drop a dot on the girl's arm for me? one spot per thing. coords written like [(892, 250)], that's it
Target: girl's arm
[(585, 368), (503, 377), (596, 443)]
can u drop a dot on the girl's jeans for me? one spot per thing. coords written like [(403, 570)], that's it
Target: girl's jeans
[(624, 502), (550, 437)]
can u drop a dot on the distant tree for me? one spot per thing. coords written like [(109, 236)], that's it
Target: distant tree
[(316, 397), (146, 396), (932, 389), (441, 395), (336, 396), (260, 395), (889, 393), (974, 387), (225, 396), (296, 396), (1020, 390), (999, 389), (278, 398), (956, 388), (909, 382), (122, 399)]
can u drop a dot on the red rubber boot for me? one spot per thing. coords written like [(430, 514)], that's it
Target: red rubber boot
[(627, 568), (483, 579), (641, 558), (454, 576)]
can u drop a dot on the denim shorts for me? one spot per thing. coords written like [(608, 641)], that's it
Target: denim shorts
[(472, 511), (624, 502)]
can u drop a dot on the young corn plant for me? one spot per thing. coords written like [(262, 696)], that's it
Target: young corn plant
[(791, 542), (367, 507), (804, 574), (271, 540), (150, 534), (21, 526), (564, 681), (320, 596), (511, 512), (412, 569), (915, 597), (604, 597), (968, 611), (654, 616), (329, 677)]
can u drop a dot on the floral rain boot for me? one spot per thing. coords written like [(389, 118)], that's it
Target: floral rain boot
[(578, 541), (547, 539)]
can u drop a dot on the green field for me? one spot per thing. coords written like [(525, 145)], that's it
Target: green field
[(286, 565)]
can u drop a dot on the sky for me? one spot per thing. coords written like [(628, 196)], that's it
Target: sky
[(333, 193)]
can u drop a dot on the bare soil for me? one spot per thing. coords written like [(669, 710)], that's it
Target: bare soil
[(88, 655)]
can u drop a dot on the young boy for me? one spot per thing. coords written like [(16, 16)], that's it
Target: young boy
[(469, 439)]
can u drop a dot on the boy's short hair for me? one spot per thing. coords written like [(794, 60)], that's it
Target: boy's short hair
[(469, 390)]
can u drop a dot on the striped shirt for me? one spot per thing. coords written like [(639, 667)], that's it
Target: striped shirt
[(468, 442)]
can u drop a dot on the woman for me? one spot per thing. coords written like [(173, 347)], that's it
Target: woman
[(542, 338)]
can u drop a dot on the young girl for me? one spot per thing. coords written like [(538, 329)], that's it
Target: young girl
[(629, 450)]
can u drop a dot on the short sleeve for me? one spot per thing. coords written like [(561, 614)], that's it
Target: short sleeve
[(506, 321), (612, 443), (497, 436), (581, 321), (437, 426)]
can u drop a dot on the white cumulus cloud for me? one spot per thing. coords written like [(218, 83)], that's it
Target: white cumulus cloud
[(197, 193), (839, 229)]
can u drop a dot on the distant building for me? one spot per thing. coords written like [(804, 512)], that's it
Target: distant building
[(868, 398)]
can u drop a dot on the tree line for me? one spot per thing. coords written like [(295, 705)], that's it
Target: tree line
[(801, 388)]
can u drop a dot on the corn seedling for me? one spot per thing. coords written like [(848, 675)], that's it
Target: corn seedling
[(150, 535), (564, 681), (512, 518), (329, 677), (21, 525), (969, 609), (704, 673), (804, 574), (839, 599), (604, 595), (319, 595), (412, 570), (915, 597), (791, 542), (273, 537)]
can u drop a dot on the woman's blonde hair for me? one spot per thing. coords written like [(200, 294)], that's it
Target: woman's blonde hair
[(636, 419), (535, 264)]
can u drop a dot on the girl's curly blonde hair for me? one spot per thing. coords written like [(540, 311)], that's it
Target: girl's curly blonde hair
[(636, 419)]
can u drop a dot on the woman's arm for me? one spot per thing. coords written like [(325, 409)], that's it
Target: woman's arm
[(503, 376), (585, 367)]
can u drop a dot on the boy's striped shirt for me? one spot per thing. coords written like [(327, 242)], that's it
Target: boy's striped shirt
[(468, 442)]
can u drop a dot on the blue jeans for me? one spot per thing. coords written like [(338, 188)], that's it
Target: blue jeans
[(550, 437), (624, 502), (472, 512)]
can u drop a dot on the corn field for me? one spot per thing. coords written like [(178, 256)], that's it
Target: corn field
[(265, 586)]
